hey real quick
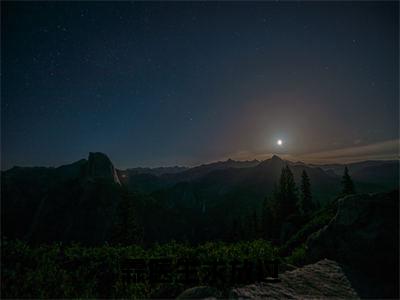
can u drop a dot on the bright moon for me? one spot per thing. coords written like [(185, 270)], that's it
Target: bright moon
[(279, 142)]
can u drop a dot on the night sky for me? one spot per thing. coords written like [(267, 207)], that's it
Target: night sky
[(185, 83)]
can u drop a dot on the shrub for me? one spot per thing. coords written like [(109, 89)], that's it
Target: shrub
[(75, 271), (297, 256)]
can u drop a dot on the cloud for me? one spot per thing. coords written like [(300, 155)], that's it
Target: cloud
[(382, 150)]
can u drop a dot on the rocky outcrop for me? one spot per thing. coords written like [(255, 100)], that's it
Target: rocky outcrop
[(201, 292), (324, 279), (99, 166), (363, 236)]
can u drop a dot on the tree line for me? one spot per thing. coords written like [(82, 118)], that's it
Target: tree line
[(287, 207)]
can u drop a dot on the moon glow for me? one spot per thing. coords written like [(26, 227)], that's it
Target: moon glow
[(279, 142)]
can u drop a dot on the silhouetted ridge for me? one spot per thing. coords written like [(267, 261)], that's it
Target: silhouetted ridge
[(274, 161), (100, 166), (276, 158)]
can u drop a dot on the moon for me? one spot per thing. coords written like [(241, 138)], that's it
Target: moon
[(279, 142)]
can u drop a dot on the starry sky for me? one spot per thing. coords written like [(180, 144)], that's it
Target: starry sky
[(183, 83)]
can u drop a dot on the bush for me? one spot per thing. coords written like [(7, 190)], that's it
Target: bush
[(74, 271), (297, 256)]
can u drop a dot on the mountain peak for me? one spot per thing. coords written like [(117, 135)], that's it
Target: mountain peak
[(274, 161), (98, 155), (100, 166), (276, 158)]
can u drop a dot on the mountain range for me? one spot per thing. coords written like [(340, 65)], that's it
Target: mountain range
[(80, 201)]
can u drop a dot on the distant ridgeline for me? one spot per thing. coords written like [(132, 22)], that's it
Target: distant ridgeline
[(91, 202)]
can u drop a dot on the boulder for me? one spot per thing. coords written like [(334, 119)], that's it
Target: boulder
[(324, 279), (200, 292)]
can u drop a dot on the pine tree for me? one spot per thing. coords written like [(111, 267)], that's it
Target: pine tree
[(287, 197), (306, 204), (255, 225), (248, 230), (269, 218), (126, 230), (237, 231), (347, 183), (282, 205)]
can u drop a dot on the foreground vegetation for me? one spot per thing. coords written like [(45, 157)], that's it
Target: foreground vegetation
[(60, 271)]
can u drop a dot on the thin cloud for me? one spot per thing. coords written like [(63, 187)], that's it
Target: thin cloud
[(381, 150)]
